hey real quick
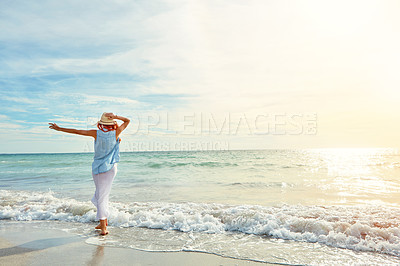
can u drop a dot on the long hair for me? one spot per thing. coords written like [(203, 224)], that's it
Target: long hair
[(106, 128)]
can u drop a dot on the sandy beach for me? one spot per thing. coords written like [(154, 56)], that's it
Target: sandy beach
[(22, 244)]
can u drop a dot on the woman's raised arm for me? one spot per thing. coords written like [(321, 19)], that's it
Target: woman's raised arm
[(90, 133), (121, 127)]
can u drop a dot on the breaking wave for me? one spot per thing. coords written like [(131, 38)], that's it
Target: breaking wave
[(361, 228)]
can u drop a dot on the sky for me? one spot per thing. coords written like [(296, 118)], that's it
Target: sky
[(204, 74)]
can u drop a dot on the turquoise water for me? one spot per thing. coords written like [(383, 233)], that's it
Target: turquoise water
[(264, 177), (274, 200)]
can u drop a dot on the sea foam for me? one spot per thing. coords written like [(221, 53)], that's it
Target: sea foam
[(361, 228)]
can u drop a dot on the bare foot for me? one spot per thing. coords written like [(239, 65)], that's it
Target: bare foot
[(103, 227), (104, 232), (99, 226)]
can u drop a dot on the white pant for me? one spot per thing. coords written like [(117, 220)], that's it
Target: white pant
[(103, 182)]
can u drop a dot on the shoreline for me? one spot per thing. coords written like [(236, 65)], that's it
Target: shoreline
[(23, 244), (37, 243)]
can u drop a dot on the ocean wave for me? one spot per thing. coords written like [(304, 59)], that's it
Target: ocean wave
[(260, 184), (361, 228), (184, 164)]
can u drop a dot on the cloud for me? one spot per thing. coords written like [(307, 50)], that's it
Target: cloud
[(18, 100), (95, 99), (72, 120), (77, 59), (9, 125)]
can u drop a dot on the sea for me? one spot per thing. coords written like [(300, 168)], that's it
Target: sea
[(288, 207)]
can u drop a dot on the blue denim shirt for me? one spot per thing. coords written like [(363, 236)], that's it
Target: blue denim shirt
[(106, 152)]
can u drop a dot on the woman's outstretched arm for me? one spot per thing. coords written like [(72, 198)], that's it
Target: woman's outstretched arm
[(91, 133)]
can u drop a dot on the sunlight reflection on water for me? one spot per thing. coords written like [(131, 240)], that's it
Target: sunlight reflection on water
[(358, 175)]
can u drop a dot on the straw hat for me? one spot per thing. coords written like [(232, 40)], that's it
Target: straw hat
[(104, 120)]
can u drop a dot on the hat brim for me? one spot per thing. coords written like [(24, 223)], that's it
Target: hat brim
[(107, 123)]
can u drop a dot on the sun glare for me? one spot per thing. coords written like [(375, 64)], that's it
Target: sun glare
[(359, 174)]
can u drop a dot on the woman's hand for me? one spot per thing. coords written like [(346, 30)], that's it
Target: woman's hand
[(54, 126), (111, 115)]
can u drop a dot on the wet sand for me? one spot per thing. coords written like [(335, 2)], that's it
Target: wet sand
[(21, 244)]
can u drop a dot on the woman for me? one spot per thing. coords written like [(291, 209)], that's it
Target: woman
[(106, 157)]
